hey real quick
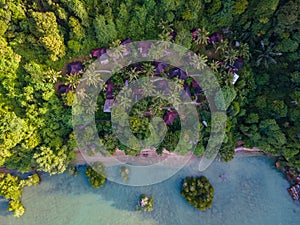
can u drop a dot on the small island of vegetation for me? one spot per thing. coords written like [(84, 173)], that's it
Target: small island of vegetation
[(145, 203), (198, 192), (96, 175)]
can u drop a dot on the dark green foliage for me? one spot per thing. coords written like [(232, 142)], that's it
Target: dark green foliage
[(11, 188), (38, 38), (145, 203), (124, 171), (198, 192), (96, 175)]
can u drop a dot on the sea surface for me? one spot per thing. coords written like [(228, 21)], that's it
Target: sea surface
[(248, 191)]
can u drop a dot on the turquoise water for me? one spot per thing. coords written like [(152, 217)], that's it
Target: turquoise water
[(248, 191)]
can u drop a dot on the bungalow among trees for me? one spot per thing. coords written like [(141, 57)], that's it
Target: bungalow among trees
[(196, 87), (144, 47), (194, 33), (125, 43), (96, 53), (214, 38), (160, 68), (62, 89), (177, 72), (75, 68), (103, 59), (170, 117)]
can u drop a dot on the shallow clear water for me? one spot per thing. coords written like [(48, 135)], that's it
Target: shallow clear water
[(248, 190)]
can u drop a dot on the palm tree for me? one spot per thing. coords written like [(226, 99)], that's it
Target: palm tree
[(202, 37), (199, 61), (164, 45), (133, 74), (174, 99), (91, 108), (214, 66), (166, 30), (174, 96), (157, 51), (81, 94), (117, 50), (93, 78), (52, 75), (148, 69), (243, 51), (125, 98), (72, 80), (147, 88), (265, 55), (222, 46), (230, 56), (249, 37)]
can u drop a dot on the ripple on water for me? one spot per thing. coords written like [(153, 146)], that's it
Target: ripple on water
[(248, 191)]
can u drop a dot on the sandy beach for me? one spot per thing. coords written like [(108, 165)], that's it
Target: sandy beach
[(149, 157)]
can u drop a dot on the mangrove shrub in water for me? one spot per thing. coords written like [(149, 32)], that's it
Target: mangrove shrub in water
[(198, 192), (146, 203), (11, 188), (96, 175)]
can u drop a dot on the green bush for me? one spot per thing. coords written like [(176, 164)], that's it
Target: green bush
[(96, 175), (145, 203), (11, 188), (198, 192)]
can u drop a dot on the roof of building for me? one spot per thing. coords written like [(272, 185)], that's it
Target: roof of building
[(160, 67), (235, 78), (215, 37), (126, 41), (109, 90), (62, 89), (238, 64), (108, 104), (186, 92), (96, 53), (194, 33), (144, 47), (75, 68), (170, 117), (173, 36), (176, 72)]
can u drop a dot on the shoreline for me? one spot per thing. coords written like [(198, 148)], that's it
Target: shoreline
[(146, 157), (149, 157)]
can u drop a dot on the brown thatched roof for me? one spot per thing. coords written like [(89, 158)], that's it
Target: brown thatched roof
[(170, 117), (176, 72), (160, 67), (75, 68), (215, 37), (126, 41), (96, 53)]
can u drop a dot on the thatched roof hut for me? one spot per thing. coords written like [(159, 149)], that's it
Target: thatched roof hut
[(75, 68), (160, 68), (96, 53), (176, 72), (194, 33), (144, 47), (170, 117)]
